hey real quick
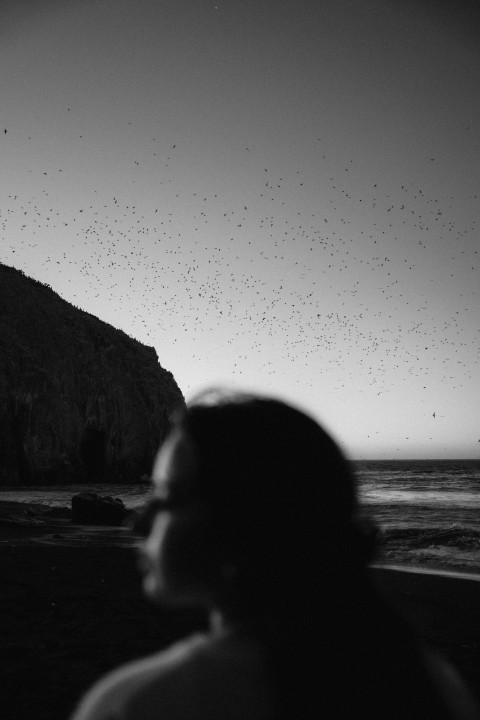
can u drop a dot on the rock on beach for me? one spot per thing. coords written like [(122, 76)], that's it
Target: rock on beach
[(89, 508)]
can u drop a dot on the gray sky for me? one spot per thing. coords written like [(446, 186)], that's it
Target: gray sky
[(283, 196)]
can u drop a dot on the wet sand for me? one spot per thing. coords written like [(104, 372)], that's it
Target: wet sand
[(71, 608)]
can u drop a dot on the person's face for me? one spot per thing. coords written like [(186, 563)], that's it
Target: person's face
[(174, 557)]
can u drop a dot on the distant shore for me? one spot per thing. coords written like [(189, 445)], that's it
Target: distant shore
[(72, 608)]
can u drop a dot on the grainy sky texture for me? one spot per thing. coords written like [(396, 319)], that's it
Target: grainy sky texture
[(279, 196)]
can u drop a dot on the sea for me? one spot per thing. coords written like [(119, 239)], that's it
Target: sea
[(427, 512)]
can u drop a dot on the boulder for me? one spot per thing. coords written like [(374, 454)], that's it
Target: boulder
[(89, 508)]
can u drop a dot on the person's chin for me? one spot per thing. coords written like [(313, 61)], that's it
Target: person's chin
[(157, 591), (152, 588)]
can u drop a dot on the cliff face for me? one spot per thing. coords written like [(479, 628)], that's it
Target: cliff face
[(79, 399)]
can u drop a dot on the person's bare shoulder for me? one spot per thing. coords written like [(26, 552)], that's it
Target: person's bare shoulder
[(457, 696), (118, 695)]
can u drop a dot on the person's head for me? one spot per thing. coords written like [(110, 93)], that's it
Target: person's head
[(254, 505)]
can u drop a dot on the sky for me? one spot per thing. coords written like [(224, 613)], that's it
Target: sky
[(282, 197)]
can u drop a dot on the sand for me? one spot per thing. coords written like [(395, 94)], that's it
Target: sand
[(71, 608)]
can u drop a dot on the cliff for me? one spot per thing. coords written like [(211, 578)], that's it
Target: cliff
[(79, 399)]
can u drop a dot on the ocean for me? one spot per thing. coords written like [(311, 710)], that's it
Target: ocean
[(427, 511)]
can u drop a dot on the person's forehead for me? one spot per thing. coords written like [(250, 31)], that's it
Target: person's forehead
[(175, 462)]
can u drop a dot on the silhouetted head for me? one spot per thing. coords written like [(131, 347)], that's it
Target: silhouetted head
[(255, 505)]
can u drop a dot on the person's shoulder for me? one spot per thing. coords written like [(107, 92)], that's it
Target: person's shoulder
[(458, 698), (115, 695)]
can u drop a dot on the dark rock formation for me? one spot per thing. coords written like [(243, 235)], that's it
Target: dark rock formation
[(88, 508), (79, 399)]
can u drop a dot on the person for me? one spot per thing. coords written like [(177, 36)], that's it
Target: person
[(255, 517)]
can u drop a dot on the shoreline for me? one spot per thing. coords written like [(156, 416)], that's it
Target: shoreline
[(30, 523), (25, 522), (422, 570)]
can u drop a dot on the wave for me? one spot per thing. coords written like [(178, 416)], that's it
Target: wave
[(454, 548), (455, 536)]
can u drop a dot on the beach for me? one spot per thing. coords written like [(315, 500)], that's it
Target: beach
[(72, 608)]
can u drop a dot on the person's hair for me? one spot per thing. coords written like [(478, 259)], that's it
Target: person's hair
[(281, 497), (291, 552), (285, 529)]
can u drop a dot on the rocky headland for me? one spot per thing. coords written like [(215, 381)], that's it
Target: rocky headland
[(80, 401)]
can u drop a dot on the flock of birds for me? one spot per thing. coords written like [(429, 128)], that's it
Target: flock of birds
[(295, 276)]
